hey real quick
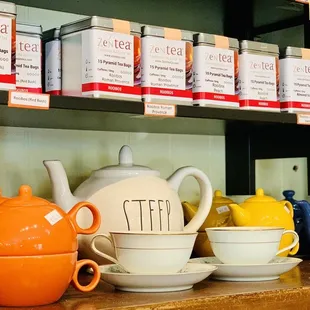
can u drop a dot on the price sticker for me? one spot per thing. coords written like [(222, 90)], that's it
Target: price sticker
[(53, 217), (303, 118), (222, 209), (18, 99), (159, 110)]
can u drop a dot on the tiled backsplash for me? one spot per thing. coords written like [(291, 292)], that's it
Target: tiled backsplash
[(22, 151)]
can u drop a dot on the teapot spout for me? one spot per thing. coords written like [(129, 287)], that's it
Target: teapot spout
[(189, 210), (239, 215), (62, 195)]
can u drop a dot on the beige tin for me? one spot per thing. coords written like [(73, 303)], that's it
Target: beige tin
[(101, 58), (167, 65), (7, 45), (259, 76), (216, 70)]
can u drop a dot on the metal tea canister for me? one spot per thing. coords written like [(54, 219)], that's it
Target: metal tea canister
[(7, 45), (216, 71), (259, 76), (101, 58), (167, 65)]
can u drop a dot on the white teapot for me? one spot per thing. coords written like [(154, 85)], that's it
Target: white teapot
[(130, 198)]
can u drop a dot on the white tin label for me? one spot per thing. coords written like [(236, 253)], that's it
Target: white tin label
[(28, 63), (163, 63), (5, 46), (213, 70), (258, 78), (295, 80), (107, 58), (53, 66)]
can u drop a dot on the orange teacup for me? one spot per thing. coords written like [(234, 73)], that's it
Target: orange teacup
[(41, 280)]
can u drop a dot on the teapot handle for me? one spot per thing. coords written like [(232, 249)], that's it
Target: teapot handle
[(175, 181), (288, 205), (96, 218)]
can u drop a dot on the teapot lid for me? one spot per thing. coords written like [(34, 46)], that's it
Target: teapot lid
[(33, 226), (219, 198), (260, 197), (125, 168)]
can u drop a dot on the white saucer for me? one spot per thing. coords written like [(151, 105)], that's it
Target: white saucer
[(190, 275), (250, 273)]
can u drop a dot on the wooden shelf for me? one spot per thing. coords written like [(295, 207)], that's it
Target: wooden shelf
[(291, 291), (137, 108)]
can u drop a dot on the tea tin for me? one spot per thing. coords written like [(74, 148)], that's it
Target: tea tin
[(101, 58), (259, 76), (29, 58), (7, 45), (167, 65), (295, 79), (216, 70), (52, 61)]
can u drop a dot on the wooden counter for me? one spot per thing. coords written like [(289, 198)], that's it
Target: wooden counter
[(291, 291)]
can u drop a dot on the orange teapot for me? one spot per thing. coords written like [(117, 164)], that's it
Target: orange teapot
[(38, 250)]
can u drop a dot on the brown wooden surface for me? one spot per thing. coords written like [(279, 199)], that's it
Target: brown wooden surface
[(291, 291)]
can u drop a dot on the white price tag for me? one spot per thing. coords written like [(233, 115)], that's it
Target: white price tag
[(222, 209), (303, 118), (161, 110), (18, 99), (53, 217)]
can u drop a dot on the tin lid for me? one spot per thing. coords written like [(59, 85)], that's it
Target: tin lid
[(94, 21), (29, 29), (246, 45), (291, 51), (51, 34), (206, 38), (7, 7), (160, 32)]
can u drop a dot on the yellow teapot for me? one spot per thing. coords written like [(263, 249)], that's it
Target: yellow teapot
[(262, 210), (219, 216)]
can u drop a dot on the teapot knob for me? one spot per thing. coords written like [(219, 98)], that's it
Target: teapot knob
[(288, 194), (125, 156), (218, 193), (25, 191), (259, 192)]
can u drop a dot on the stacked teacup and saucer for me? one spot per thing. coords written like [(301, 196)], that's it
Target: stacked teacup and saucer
[(249, 253), (151, 261)]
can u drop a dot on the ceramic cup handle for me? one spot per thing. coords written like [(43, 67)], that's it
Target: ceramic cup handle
[(96, 218), (96, 277), (292, 246), (106, 256)]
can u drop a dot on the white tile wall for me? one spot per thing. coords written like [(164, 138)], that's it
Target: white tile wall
[(276, 175), (22, 151)]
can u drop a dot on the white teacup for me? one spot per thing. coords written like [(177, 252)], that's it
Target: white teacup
[(248, 245), (149, 252)]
